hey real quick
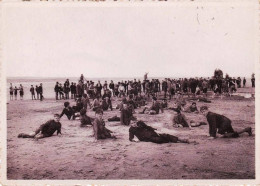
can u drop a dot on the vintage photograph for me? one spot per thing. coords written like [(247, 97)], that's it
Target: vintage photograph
[(130, 91)]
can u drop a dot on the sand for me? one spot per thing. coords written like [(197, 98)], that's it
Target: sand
[(74, 155)]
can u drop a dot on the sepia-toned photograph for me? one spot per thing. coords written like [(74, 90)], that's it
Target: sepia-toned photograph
[(159, 91)]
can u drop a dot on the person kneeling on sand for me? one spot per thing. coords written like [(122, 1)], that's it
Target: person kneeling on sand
[(126, 115), (146, 133), (100, 131), (45, 130), (180, 120), (84, 119), (222, 125)]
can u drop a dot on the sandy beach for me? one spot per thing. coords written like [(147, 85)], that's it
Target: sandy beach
[(74, 155)]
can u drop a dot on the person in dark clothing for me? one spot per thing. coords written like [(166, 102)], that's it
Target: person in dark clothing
[(56, 90), (84, 119), (79, 105), (164, 88), (45, 130), (73, 90), (112, 87), (221, 124), (21, 91), (126, 115), (253, 81), (147, 134), (154, 109), (244, 82), (32, 92), (106, 104), (192, 108), (99, 88), (114, 118), (11, 91), (41, 92), (15, 92), (100, 131), (37, 91), (180, 120), (107, 97), (68, 111)]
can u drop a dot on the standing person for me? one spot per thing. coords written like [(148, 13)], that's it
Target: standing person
[(80, 89), (32, 92), (204, 87), (73, 90), (244, 82), (253, 80), (222, 125), (164, 87), (41, 92), (15, 92), (56, 90), (66, 90), (37, 91), (126, 87), (99, 88), (105, 85), (145, 76), (11, 91), (61, 91), (21, 91), (112, 87)]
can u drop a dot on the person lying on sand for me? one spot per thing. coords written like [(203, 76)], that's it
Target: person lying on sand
[(100, 131), (193, 108), (180, 120), (154, 109), (45, 130), (222, 125), (200, 99), (147, 134)]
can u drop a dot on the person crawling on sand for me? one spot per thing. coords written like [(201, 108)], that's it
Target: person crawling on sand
[(222, 125), (154, 109), (45, 130), (100, 131), (180, 120), (68, 111), (146, 133), (84, 119), (193, 108)]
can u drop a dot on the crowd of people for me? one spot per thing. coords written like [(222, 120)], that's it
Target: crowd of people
[(170, 94), (14, 91)]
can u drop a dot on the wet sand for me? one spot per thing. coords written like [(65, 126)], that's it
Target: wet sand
[(74, 155)]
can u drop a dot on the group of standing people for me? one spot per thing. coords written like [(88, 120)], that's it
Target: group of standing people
[(14, 91)]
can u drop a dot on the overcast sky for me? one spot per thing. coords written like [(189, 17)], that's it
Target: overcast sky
[(172, 41)]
